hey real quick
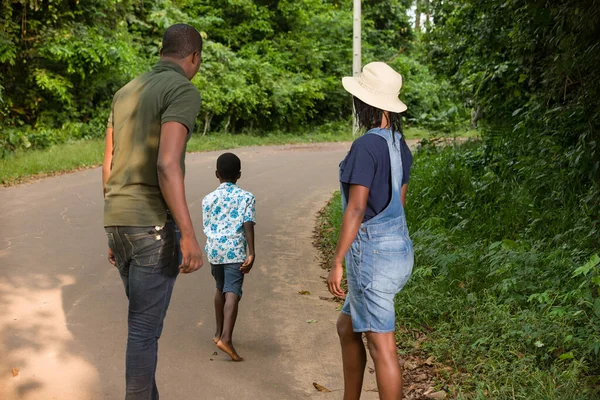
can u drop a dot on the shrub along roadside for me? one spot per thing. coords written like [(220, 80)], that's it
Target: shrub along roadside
[(507, 281)]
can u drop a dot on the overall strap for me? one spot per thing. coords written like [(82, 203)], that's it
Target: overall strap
[(394, 146), (342, 194)]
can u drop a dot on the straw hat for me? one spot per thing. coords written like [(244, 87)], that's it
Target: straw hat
[(378, 85)]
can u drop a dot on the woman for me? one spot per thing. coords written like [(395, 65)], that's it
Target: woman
[(373, 239)]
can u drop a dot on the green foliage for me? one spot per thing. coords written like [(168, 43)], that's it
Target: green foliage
[(508, 273), (531, 70), (266, 65), (506, 230), (431, 101), (329, 223)]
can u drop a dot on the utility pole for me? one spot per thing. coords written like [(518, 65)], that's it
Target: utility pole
[(356, 56), (418, 15), (356, 52)]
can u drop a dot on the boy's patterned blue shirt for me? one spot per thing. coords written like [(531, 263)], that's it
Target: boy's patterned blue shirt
[(224, 213)]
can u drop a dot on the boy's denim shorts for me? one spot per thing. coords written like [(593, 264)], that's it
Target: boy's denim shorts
[(377, 269), (229, 277)]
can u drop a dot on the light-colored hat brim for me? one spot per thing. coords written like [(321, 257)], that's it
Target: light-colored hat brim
[(383, 102)]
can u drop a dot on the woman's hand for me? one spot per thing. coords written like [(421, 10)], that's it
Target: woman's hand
[(334, 280), (353, 216)]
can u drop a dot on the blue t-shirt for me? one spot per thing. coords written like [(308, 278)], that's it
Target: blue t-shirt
[(368, 164)]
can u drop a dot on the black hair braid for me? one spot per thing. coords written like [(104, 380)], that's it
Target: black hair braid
[(369, 117)]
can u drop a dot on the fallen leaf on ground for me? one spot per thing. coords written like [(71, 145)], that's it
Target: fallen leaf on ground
[(436, 395), (304, 292), (311, 321), (409, 365), (321, 388), (420, 377), (411, 388), (15, 372), (371, 370), (429, 361)]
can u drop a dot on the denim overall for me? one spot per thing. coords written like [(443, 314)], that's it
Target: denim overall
[(380, 260)]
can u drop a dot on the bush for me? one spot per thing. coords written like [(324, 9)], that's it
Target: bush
[(47, 133), (507, 276)]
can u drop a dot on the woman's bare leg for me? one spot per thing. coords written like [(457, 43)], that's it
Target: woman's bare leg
[(354, 357), (382, 347)]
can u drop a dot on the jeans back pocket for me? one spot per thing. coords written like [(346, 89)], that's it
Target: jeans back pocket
[(145, 247), (392, 264)]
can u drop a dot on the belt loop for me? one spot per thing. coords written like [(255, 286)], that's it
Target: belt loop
[(366, 232)]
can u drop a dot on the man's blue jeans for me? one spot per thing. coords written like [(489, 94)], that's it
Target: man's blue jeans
[(147, 261)]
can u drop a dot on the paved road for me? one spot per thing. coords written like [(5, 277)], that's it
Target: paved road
[(63, 308)]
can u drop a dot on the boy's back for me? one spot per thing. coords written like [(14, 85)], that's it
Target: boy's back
[(224, 212)]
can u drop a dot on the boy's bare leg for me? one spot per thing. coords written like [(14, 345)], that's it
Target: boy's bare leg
[(230, 314), (219, 313), (354, 357), (382, 347)]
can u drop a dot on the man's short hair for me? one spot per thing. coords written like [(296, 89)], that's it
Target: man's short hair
[(229, 166), (181, 40)]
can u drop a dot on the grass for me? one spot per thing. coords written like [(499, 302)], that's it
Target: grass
[(67, 157), (329, 222), (54, 160)]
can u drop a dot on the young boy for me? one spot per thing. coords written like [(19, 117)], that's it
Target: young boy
[(229, 219)]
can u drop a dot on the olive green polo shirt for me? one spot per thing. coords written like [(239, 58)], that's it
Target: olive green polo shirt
[(132, 194)]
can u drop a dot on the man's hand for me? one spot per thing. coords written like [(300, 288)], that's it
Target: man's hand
[(247, 265), (191, 255), (111, 257), (334, 280)]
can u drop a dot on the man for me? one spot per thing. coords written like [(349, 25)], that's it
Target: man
[(152, 118)]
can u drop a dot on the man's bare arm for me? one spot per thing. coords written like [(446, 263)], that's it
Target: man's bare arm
[(170, 179), (108, 154)]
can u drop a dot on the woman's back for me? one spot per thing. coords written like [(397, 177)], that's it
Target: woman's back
[(368, 164)]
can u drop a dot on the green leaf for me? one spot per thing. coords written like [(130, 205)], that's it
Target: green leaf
[(588, 266), (509, 244), (597, 307), (566, 356)]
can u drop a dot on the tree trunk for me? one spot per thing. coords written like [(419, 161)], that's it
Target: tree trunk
[(418, 15), (427, 12), (207, 118), (228, 122)]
